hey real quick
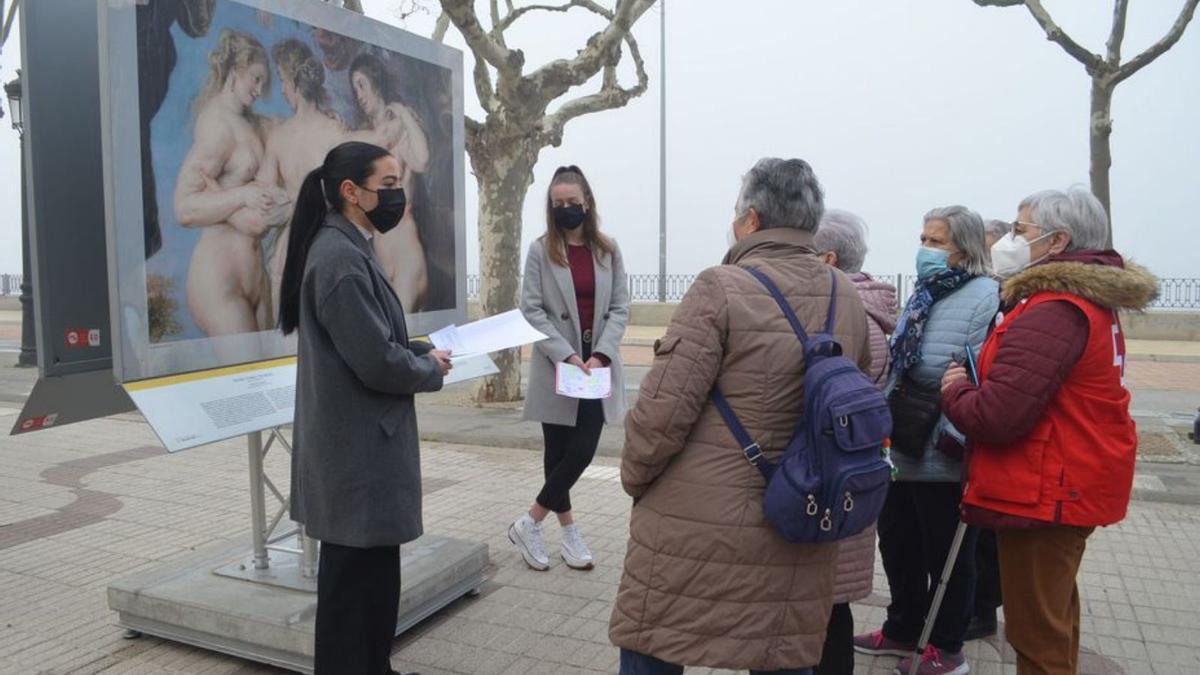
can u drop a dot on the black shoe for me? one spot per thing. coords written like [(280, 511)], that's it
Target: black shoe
[(981, 627)]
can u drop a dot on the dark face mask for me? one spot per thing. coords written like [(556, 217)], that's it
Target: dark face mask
[(569, 217), (387, 213)]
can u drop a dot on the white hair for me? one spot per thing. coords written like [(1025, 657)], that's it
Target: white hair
[(846, 235), (1076, 212), (996, 228), (966, 231), (784, 193)]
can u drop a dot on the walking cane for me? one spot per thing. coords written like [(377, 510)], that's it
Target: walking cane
[(947, 570)]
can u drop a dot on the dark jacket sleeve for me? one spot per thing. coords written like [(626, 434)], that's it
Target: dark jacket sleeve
[(1036, 356), (358, 327)]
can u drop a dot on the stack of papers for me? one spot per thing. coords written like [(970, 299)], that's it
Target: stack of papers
[(470, 344), (571, 381)]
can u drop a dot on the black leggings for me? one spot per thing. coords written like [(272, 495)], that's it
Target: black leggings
[(569, 450)]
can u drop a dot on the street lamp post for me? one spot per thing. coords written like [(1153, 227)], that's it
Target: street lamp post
[(28, 357), (662, 153)]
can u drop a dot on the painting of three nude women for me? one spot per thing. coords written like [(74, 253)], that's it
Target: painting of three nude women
[(238, 104)]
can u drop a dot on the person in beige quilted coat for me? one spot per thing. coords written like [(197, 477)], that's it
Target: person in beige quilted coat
[(842, 241), (707, 581)]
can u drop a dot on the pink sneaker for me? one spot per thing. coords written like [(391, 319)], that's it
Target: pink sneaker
[(877, 644), (935, 662)]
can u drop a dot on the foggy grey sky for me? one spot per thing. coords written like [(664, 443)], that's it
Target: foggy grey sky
[(898, 106)]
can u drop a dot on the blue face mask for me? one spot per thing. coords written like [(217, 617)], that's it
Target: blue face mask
[(930, 261)]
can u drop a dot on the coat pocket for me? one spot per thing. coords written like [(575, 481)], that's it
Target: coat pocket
[(393, 417), (664, 351)]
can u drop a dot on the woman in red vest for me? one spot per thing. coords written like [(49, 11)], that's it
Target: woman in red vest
[(1053, 444)]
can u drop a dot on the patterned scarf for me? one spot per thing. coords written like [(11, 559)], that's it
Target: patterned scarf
[(910, 331)]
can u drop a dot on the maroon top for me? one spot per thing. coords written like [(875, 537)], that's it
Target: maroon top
[(583, 273)]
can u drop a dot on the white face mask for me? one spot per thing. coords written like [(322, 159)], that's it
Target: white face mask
[(730, 237), (1011, 254)]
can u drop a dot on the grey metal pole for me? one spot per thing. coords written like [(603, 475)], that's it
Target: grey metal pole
[(308, 555), (662, 153), (258, 506)]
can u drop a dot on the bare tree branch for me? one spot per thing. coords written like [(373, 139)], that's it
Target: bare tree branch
[(495, 7), (513, 15), (462, 14), (610, 96), (555, 78), (1159, 48), (1092, 62), (1117, 36), (353, 5), (999, 3), (483, 86), (8, 21), (439, 30)]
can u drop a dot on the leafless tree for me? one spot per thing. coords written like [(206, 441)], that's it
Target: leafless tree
[(1107, 72), (504, 145)]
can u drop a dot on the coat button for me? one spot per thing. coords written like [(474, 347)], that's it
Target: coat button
[(606, 316), (565, 316)]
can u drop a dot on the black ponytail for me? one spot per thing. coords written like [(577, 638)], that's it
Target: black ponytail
[(320, 192)]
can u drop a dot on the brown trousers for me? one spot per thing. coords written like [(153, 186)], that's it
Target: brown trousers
[(1041, 600)]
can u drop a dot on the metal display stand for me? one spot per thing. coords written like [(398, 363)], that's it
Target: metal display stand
[(261, 605)]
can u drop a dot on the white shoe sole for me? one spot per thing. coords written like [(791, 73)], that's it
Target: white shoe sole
[(534, 563), (577, 564), (961, 670)]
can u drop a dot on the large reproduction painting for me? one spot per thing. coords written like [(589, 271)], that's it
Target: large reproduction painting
[(215, 111)]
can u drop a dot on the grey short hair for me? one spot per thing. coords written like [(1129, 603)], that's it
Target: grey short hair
[(1076, 212), (996, 228), (846, 235), (784, 192), (966, 231)]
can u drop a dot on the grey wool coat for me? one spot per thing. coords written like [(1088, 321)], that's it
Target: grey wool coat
[(356, 467), (548, 303)]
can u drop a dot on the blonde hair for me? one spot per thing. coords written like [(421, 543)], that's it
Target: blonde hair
[(235, 51)]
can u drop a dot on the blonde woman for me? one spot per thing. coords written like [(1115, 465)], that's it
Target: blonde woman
[(227, 287), (575, 292)]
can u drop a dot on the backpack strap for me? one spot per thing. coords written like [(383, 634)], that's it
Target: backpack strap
[(829, 320), (750, 449), (788, 312)]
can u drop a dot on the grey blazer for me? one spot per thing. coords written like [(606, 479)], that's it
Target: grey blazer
[(356, 467), (548, 303)]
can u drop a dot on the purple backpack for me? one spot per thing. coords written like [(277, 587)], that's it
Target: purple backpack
[(833, 477)]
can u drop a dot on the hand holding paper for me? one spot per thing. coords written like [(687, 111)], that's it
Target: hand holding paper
[(572, 381)]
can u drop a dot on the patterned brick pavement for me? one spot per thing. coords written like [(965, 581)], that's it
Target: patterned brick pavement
[(82, 505)]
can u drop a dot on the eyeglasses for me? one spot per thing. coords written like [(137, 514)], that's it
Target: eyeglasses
[(1021, 226)]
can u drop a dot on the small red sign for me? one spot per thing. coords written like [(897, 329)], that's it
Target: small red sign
[(39, 422), (83, 337)]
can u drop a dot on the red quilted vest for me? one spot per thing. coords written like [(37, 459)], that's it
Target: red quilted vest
[(1076, 466)]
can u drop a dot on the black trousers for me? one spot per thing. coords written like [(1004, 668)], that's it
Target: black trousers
[(915, 531), (987, 585), (837, 658), (569, 450), (358, 598)]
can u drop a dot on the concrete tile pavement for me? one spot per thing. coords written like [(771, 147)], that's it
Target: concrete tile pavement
[(1141, 604)]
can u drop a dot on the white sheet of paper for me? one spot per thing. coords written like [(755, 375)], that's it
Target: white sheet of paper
[(447, 338), (571, 381), (469, 368), (493, 334)]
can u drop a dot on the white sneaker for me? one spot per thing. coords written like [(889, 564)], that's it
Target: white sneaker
[(574, 550), (526, 535)]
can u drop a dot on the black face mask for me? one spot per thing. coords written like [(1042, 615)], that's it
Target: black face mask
[(569, 217), (387, 213)]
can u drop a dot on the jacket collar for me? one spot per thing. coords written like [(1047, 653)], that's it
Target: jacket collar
[(339, 222), (776, 242), (1103, 279)]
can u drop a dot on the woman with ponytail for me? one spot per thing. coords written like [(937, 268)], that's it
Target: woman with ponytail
[(356, 475), (576, 293)]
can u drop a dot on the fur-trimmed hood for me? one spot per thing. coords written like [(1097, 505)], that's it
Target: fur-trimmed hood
[(1099, 276)]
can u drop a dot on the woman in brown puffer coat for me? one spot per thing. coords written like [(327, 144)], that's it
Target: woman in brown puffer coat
[(707, 581), (842, 240)]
